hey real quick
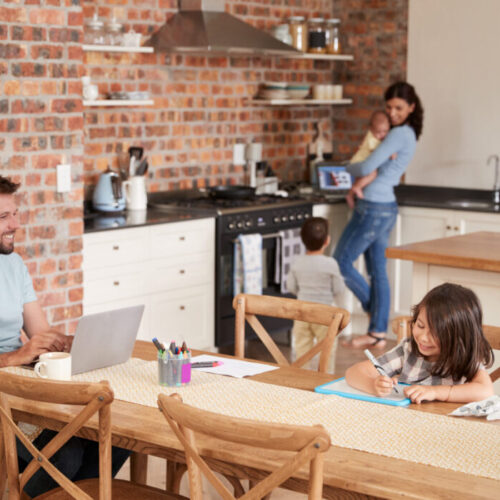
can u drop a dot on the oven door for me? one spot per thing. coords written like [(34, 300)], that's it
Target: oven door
[(225, 315)]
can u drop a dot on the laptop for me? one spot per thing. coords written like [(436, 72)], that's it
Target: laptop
[(105, 339), (333, 180)]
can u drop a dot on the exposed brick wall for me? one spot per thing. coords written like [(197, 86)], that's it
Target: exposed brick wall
[(200, 106), (376, 34), (41, 123)]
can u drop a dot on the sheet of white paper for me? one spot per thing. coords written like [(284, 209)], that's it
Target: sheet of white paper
[(232, 367)]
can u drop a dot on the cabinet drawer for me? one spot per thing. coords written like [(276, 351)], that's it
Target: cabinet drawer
[(169, 274), (185, 238), (184, 316), (112, 248), (117, 283)]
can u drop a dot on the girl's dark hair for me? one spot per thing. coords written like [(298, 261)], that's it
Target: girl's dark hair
[(455, 319), (404, 90), (314, 233)]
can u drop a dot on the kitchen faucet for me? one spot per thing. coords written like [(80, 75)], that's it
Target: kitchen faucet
[(496, 185)]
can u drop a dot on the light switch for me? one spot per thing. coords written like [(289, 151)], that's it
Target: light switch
[(63, 178)]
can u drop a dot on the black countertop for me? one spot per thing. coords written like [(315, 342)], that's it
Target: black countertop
[(96, 221), (476, 200)]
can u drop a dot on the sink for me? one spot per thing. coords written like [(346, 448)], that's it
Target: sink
[(471, 204)]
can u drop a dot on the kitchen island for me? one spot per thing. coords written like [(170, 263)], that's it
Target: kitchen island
[(471, 260)]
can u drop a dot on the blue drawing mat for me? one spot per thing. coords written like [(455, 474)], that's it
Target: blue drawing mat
[(341, 388)]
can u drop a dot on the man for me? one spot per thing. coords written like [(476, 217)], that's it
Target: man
[(19, 309)]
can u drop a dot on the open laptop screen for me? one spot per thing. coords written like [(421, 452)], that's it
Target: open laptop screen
[(333, 178)]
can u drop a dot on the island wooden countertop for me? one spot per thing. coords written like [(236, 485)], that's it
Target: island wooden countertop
[(479, 251)]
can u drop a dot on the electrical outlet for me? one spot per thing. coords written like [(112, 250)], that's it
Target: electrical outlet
[(63, 177)]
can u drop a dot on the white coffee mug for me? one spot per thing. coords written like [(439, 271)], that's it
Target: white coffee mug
[(336, 92), (54, 365), (135, 193)]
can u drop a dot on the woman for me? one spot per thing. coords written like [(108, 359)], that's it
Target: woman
[(374, 216)]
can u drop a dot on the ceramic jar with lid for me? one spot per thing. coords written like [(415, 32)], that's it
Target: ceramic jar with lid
[(298, 31), (94, 32), (332, 32), (317, 36)]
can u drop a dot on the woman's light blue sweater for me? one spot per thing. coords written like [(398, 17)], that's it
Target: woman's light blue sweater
[(400, 140)]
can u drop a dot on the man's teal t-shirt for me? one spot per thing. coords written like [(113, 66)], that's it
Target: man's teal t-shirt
[(16, 289)]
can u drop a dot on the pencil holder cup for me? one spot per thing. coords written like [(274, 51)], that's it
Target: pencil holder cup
[(174, 372)]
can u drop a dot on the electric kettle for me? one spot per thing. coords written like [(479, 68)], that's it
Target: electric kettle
[(108, 194)]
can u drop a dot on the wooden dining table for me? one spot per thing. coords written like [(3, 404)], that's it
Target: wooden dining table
[(348, 473)]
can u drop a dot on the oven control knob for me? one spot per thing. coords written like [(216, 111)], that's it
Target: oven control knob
[(306, 216), (292, 217), (276, 219), (248, 223), (299, 217), (239, 225), (284, 218), (230, 225)]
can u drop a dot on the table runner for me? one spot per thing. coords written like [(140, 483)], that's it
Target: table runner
[(436, 440)]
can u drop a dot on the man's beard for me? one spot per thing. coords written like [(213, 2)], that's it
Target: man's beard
[(6, 249)]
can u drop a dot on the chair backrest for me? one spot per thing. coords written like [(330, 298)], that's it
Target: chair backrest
[(248, 306), (94, 397), (401, 326), (308, 442)]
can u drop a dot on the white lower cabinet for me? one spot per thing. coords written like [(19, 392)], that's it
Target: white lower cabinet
[(167, 267), (422, 224)]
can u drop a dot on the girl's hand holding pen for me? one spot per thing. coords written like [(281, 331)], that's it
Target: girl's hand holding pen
[(383, 385)]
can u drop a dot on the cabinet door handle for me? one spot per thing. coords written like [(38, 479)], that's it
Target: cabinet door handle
[(456, 228), (116, 247), (182, 308), (182, 271), (448, 227), (182, 238), (116, 283)]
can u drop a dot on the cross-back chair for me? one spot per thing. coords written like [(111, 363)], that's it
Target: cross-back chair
[(248, 306), (401, 326), (94, 398), (308, 442)]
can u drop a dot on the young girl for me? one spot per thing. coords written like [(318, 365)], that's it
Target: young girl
[(445, 357)]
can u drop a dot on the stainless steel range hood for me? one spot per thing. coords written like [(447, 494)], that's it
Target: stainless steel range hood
[(202, 27)]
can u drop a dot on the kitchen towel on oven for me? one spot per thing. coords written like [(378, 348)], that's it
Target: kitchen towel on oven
[(288, 246), (247, 272)]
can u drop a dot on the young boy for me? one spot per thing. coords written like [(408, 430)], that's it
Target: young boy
[(316, 278), (379, 127)]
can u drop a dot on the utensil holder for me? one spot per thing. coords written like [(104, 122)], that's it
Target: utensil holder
[(174, 372)]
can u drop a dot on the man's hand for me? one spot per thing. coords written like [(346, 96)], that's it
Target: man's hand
[(40, 343)]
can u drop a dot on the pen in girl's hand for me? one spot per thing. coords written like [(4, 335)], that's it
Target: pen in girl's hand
[(157, 344), (372, 358)]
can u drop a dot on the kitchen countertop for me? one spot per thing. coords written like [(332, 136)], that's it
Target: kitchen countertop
[(480, 251), (407, 195), (96, 221)]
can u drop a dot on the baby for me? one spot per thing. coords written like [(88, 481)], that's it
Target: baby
[(379, 127)]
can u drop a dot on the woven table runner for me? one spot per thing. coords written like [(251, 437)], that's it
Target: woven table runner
[(436, 440)]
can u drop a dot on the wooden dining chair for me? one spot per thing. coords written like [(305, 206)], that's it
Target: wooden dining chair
[(249, 306), (401, 326), (95, 398), (307, 442)]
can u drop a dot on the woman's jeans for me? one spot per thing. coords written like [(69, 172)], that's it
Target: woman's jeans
[(77, 459), (368, 233)]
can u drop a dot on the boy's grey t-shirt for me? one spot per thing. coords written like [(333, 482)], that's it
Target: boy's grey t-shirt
[(315, 278), (16, 289)]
